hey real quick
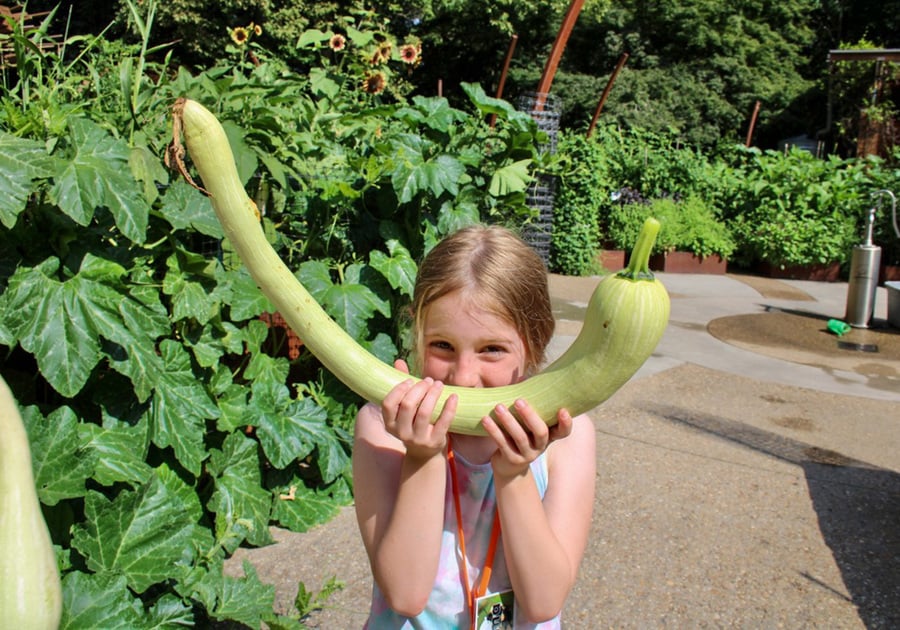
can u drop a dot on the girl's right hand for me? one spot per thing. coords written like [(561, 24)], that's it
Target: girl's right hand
[(407, 411)]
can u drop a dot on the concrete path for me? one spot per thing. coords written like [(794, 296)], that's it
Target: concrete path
[(737, 486)]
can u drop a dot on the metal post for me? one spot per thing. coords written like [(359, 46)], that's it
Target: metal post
[(864, 269)]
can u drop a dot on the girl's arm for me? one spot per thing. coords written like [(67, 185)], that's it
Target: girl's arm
[(544, 541), (399, 487)]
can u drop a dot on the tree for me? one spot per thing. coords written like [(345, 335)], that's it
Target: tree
[(698, 66)]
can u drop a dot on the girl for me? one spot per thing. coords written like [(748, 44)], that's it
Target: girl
[(473, 531)]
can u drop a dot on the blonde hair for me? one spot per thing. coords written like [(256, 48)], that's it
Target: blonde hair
[(492, 265)]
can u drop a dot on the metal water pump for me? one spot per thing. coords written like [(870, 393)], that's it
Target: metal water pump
[(864, 268)]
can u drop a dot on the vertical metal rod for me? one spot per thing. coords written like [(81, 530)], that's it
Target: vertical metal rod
[(502, 83), (562, 37), (612, 79), (752, 124)]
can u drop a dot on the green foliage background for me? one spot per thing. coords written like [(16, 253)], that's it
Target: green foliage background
[(167, 423), (694, 66), (166, 418)]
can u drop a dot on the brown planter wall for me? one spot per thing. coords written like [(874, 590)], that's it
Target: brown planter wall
[(889, 273), (612, 259), (830, 272), (686, 262)]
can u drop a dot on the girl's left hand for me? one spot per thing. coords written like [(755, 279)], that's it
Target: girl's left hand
[(521, 436)]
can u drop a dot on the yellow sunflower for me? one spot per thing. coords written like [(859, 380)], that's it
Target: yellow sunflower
[(240, 35), (409, 53), (374, 83), (337, 42)]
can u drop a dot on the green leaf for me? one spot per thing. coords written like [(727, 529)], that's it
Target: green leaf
[(245, 599), (186, 207), (62, 323), (233, 409), (190, 297), (443, 174), (267, 369), (315, 276), (98, 175), (486, 104), (245, 299), (140, 534), (60, 459), (399, 268), (433, 112), (169, 613), (239, 502), (351, 303), (312, 36), (244, 156), (148, 169), (307, 509), (100, 601), (21, 162), (120, 450), (511, 178), (180, 406), (321, 82), (382, 346), (291, 429)]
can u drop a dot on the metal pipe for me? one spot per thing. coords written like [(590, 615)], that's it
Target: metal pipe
[(881, 193), (612, 79)]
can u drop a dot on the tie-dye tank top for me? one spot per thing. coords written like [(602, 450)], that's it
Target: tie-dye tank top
[(446, 607)]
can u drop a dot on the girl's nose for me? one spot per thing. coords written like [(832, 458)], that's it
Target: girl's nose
[(465, 372)]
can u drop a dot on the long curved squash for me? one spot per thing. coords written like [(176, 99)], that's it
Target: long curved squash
[(625, 318), (30, 590)]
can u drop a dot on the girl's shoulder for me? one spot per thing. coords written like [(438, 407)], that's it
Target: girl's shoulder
[(577, 449), (369, 429)]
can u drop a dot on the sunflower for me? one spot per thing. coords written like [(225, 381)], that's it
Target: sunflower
[(374, 83), (257, 30), (382, 53), (337, 42), (240, 35), (409, 53)]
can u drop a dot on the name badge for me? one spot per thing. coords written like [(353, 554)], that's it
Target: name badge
[(495, 611)]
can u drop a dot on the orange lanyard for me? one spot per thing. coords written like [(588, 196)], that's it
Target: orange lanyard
[(471, 594)]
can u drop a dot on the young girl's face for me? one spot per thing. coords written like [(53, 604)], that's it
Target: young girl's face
[(468, 346)]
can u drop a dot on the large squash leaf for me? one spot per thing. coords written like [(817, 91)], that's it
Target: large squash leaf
[(180, 406), (63, 324), (240, 503), (98, 175), (21, 162), (141, 534)]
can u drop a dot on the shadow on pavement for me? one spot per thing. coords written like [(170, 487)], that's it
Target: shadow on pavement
[(857, 506)]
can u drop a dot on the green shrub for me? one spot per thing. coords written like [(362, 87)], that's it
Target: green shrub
[(576, 236), (153, 391), (795, 209), (688, 225)]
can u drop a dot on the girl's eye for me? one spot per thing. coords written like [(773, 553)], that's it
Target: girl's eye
[(441, 345), (493, 349)]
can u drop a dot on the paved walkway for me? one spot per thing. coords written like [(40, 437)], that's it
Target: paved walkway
[(739, 483)]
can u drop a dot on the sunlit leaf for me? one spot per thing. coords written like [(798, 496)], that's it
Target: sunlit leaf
[(97, 175), (62, 460), (21, 162), (239, 497), (141, 534)]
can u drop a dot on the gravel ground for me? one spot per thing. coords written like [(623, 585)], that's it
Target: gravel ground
[(723, 500)]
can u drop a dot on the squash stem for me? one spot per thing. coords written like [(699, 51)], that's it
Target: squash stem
[(639, 263)]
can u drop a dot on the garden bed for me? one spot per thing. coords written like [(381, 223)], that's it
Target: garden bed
[(828, 272), (686, 262)]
